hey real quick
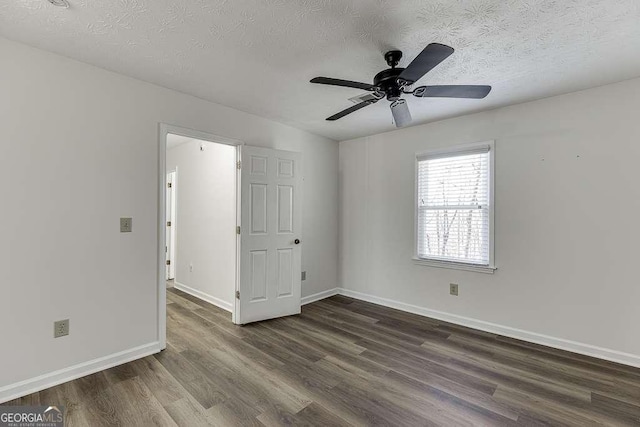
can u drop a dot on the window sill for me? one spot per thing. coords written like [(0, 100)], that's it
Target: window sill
[(454, 265)]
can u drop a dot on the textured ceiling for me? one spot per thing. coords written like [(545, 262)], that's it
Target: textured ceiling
[(258, 55)]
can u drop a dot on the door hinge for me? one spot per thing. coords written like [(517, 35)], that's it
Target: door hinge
[(239, 164), (169, 185), (237, 294), (168, 223), (238, 230), (168, 262)]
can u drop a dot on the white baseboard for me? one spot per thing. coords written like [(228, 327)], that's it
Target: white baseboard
[(205, 297), (533, 337), (23, 388), (320, 295)]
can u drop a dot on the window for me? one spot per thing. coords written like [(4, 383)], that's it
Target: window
[(454, 208)]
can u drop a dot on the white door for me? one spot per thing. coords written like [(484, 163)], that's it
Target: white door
[(271, 218), (170, 235)]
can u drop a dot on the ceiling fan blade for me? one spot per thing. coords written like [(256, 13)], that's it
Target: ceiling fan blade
[(428, 59), (343, 83), (401, 113), (457, 91), (369, 96), (350, 110)]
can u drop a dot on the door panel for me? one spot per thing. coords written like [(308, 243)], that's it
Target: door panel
[(285, 168), (258, 275), (285, 209), (258, 208), (285, 272), (270, 260), (258, 166)]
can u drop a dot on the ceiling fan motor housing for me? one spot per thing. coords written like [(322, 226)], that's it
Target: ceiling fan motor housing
[(387, 81)]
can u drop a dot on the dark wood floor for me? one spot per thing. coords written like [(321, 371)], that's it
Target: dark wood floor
[(346, 362)]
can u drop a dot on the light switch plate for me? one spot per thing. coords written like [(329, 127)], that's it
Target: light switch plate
[(126, 225), (453, 289), (304, 275), (61, 328)]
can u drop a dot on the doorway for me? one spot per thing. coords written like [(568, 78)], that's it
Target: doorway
[(202, 256), (197, 217), (252, 211)]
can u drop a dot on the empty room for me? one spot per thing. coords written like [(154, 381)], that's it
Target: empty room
[(320, 213)]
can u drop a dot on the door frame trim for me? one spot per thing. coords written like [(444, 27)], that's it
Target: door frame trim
[(174, 210), (163, 130)]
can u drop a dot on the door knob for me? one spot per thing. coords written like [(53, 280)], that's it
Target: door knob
[(297, 241)]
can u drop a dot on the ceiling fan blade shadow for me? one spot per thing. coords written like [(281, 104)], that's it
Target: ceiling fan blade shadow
[(350, 110), (452, 91), (343, 83), (427, 60)]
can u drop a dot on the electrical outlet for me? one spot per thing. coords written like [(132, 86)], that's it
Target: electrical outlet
[(304, 275), (61, 328), (126, 225), (453, 289)]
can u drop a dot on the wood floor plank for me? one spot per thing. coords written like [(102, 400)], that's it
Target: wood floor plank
[(317, 415), (164, 386), (524, 380), (472, 406), (624, 411), (187, 412), (423, 370), (297, 349), (120, 373), (264, 383), (339, 313), (234, 413), (534, 410), (66, 395), (572, 359), (222, 320), (344, 362), (359, 330), (197, 301), (240, 388), (315, 340), (176, 299), (305, 369), (202, 387), (478, 407), (331, 337), (562, 376), (103, 408), (137, 406), (382, 409)]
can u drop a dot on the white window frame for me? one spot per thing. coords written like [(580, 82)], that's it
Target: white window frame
[(456, 264)]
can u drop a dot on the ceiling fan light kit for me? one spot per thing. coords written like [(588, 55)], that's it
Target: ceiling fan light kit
[(394, 82)]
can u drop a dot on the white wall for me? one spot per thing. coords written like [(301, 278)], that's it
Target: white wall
[(205, 219), (567, 210), (79, 150)]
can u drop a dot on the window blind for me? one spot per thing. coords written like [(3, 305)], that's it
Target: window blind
[(453, 212)]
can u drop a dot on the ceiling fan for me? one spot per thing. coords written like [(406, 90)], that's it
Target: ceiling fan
[(393, 82)]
